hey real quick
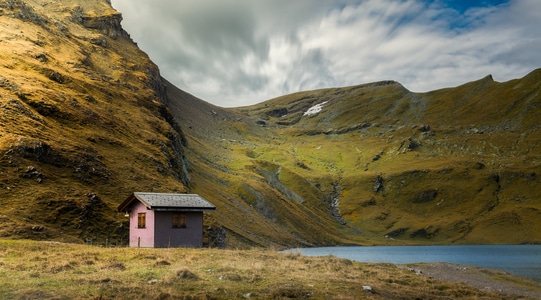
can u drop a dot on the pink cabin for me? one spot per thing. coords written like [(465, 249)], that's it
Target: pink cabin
[(165, 220)]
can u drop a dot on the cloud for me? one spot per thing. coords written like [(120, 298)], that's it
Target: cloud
[(239, 52)]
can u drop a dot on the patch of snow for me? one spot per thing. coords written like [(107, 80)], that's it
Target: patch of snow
[(314, 109)]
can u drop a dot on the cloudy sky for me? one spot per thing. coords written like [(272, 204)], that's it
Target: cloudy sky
[(240, 52)]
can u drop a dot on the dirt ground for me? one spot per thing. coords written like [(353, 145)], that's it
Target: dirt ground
[(481, 278)]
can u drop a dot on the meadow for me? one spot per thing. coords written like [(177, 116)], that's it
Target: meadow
[(51, 270)]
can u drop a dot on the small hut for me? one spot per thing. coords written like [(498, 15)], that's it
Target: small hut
[(159, 220)]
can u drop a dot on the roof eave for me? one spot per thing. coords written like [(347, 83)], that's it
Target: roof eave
[(183, 209), (128, 202)]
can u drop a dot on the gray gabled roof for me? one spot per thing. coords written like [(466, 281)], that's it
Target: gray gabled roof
[(168, 202)]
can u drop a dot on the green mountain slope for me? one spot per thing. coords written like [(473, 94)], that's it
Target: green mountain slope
[(380, 164), (86, 119)]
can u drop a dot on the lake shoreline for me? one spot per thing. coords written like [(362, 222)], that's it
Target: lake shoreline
[(489, 280), (520, 260)]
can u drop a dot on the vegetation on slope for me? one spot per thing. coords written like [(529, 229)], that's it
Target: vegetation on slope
[(380, 164), (86, 119), (82, 122)]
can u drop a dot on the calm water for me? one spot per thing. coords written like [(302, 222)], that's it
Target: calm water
[(522, 260)]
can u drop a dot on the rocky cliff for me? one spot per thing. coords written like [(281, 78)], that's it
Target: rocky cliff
[(84, 122)]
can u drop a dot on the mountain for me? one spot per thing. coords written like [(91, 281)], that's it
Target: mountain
[(376, 163), (82, 122), (86, 119)]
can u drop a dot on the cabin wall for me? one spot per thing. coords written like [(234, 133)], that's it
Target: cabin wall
[(167, 236), (141, 237)]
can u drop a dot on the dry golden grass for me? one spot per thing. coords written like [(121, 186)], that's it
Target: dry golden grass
[(79, 115), (44, 270)]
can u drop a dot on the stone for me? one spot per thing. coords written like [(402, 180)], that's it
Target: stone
[(426, 196), (378, 184)]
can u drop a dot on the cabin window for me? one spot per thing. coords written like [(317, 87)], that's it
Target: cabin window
[(179, 220), (141, 220)]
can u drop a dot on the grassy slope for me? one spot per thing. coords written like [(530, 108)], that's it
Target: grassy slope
[(472, 177), (253, 211), (81, 122), (458, 165)]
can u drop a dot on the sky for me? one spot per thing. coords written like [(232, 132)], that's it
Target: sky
[(240, 52)]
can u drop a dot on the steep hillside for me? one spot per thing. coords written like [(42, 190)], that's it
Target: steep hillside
[(82, 122), (454, 165), (376, 163), (252, 203)]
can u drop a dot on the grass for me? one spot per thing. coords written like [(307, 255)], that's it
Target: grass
[(48, 270), (98, 104), (461, 165), (92, 107), (479, 162)]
